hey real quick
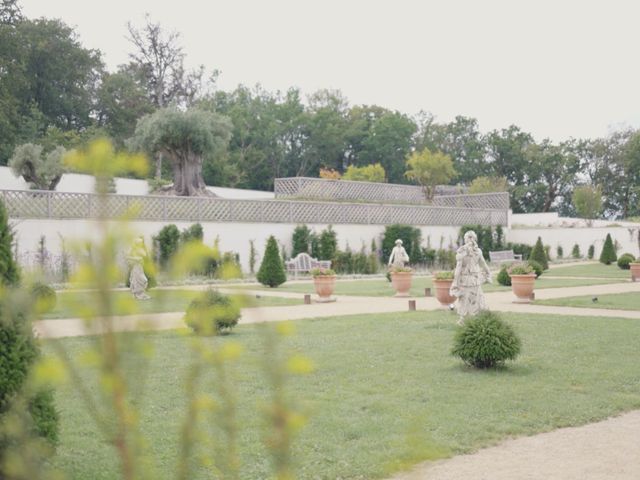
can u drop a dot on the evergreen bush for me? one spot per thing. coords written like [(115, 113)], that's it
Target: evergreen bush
[(411, 238), (18, 352), (328, 244), (559, 251), (575, 252), (485, 341), (44, 297), (539, 255), (212, 313), (608, 255), (9, 272), (521, 249), (624, 261), (503, 277), (536, 267), (591, 252), (271, 272), (300, 240), (194, 233), (166, 243)]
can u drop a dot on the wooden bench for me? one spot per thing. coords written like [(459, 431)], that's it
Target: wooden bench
[(304, 263), (504, 256)]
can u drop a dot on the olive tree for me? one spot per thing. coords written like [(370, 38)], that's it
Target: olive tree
[(42, 171), (187, 138)]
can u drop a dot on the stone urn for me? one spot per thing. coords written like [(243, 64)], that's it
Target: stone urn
[(522, 286), (442, 287), (401, 282), (324, 285), (635, 271)]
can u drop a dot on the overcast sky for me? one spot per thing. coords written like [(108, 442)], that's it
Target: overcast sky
[(558, 69)]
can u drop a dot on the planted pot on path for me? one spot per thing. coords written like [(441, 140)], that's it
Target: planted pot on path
[(401, 281), (635, 271), (324, 281), (442, 285)]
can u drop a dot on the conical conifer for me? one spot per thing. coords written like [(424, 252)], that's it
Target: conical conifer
[(608, 255), (9, 273), (539, 255), (271, 271)]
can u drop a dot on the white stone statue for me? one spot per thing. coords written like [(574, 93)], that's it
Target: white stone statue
[(471, 272), (398, 255), (137, 279)]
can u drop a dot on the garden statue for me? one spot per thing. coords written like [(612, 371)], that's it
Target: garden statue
[(137, 279), (471, 272), (398, 255)]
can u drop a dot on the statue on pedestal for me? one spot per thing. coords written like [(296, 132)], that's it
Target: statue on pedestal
[(398, 255), (137, 279), (471, 272)]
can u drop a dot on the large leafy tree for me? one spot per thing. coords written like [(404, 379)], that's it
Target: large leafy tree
[(430, 169), (187, 138), (41, 170)]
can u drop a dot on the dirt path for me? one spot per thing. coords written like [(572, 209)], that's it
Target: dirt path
[(600, 451)]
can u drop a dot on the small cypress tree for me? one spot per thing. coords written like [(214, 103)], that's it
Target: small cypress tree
[(575, 253), (608, 255), (253, 254), (591, 252), (300, 240), (328, 244), (271, 272), (9, 273), (539, 255)]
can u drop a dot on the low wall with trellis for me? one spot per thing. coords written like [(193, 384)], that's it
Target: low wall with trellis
[(60, 205), (345, 190)]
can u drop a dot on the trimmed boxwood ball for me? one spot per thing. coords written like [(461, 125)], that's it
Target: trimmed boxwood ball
[(624, 261), (485, 341), (212, 313), (536, 267), (503, 276), (44, 297)]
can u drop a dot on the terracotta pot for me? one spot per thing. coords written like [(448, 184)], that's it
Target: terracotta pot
[(401, 282), (635, 271), (522, 286), (442, 292), (325, 285)]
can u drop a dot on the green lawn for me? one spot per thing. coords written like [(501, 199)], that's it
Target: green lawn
[(598, 270), (381, 287), (616, 301), (385, 389), (69, 303)]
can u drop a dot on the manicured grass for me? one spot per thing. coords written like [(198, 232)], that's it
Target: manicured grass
[(616, 301), (69, 303), (385, 390), (382, 288), (598, 270)]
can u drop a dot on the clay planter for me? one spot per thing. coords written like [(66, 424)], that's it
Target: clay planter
[(522, 286), (325, 285), (401, 282), (442, 292), (635, 271)]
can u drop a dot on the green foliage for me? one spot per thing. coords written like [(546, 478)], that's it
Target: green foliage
[(411, 238), (575, 251), (520, 268), (488, 185), (328, 244), (271, 272), (368, 173), (166, 243), (520, 248), (446, 258), (537, 268), (429, 170), (322, 272), (487, 240), (44, 297), (212, 313), (503, 276), (559, 251), (9, 273), (485, 341), (624, 260), (591, 252), (359, 263), (18, 352), (608, 255), (588, 201), (444, 275), (194, 233), (300, 240), (41, 171), (539, 254), (253, 256)]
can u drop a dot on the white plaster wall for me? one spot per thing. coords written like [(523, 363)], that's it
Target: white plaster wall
[(627, 238), (233, 236)]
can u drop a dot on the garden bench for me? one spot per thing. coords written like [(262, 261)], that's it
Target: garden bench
[(304, 263), (504, 256)]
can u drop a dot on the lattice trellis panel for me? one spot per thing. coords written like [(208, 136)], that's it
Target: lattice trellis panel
[(498, 201), (35, 204)]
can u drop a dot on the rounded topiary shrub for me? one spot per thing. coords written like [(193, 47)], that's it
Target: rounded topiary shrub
[(624, 261), (485, 341), (212, 313), (44, 297), (536, 267), (503, 276)]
